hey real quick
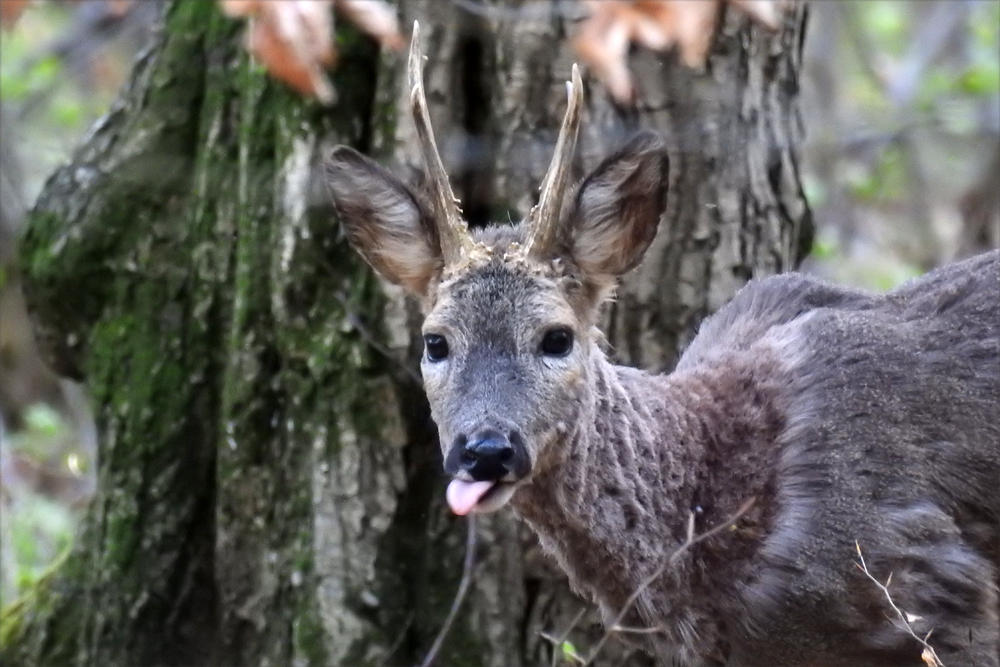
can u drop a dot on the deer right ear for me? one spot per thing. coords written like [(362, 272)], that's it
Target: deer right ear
[(383, 219)]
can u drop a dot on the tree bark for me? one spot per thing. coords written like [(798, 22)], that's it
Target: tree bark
[(270, 488)]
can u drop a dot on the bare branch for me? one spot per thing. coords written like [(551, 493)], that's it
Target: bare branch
[(691, 541), (557, 642), (463, 588), (358, 325), (398, 641), (626, 630), (929, 656)]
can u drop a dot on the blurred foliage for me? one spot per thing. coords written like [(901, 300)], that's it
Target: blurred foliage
[(60, 68), (37, 526), (902, 112)]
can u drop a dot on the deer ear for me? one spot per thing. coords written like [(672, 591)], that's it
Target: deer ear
[(617, 210), (385, 222)]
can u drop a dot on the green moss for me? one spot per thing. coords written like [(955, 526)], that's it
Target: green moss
[(308, 634)]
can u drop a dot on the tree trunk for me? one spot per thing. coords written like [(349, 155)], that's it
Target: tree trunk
[(270, 487)]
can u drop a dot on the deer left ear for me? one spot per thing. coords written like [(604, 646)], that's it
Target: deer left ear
[(617, 210)]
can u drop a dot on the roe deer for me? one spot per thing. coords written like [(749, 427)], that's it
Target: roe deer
[(845, 416)]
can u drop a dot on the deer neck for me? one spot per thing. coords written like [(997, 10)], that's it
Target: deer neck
[(623, 475), (650, 450)]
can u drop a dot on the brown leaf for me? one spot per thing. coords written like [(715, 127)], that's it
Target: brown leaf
[(375, 18), (689, 25), (293, 39), (120, 8), (603, 43), (10, 11), (766, 12)]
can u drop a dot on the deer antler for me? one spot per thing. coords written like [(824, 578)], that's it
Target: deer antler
[(451, 228), (543, 220)]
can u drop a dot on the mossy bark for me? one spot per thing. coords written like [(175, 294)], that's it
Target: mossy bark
[(269, 480)]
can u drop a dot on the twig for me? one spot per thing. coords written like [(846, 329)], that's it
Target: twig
[(463, 588), (399, 639), (626, 630), (689, 542), (929, 656), (557, 642), (355, 320)]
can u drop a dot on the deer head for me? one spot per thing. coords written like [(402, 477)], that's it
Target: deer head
[(510, 312)]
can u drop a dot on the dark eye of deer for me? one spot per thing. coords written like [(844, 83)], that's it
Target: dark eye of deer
[(557, 343), (436, 346)]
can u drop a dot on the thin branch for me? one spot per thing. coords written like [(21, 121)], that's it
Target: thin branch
[(463, 588), (926, 46), (689, 542), (863, 46), (557, 642), (358, 325), (626, 630), (399, 639), (929, 656)]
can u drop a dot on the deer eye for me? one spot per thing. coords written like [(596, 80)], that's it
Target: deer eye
[(436, 346), (557, 342)]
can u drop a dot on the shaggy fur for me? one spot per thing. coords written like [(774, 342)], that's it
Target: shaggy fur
[(848, 417)]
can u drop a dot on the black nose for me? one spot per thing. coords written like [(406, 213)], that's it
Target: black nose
[(486, 455)]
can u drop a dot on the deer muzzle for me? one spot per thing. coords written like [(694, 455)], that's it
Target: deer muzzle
[(486, 466)]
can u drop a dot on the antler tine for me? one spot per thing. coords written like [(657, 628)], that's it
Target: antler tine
[(543, 221), (452, 231)]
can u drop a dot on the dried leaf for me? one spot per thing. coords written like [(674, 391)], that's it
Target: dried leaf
[(603, 43), (10, 11), (120, 8), (929, 659), (375, 18), (765, 12), (689, 25), (293, 39)]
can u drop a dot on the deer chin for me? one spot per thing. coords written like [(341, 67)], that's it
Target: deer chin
[(466, 497)]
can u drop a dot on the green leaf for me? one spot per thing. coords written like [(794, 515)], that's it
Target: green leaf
[(67, 113), (814, 190), (569, 652), (825, 249), (982, 79), (887, 21), (43, 420)]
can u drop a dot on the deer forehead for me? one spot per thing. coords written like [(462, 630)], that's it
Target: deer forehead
[(505, 295)]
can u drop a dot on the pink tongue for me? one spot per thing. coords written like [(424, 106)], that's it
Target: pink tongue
[(463, 496)]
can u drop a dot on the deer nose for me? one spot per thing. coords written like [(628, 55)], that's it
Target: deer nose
[(487, 455)]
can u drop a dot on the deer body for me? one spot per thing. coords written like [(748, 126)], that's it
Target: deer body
[(838, 411), (849, 420)]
